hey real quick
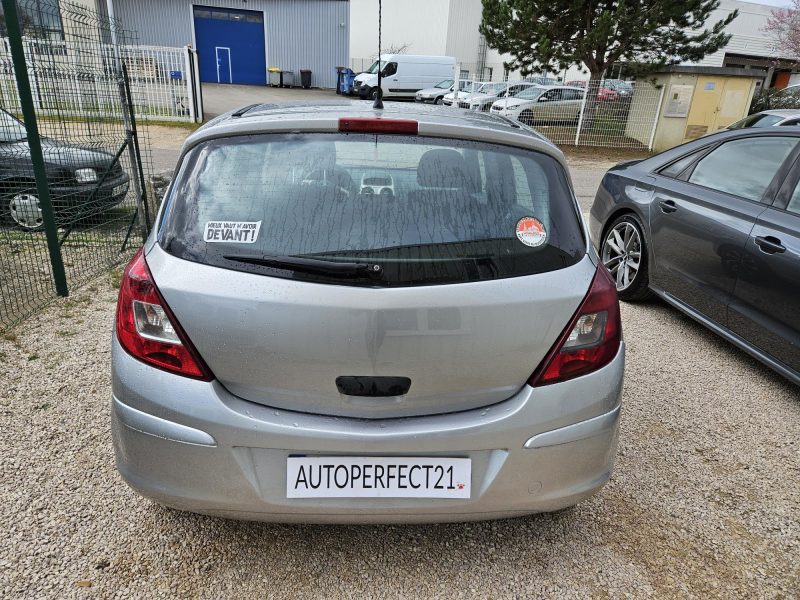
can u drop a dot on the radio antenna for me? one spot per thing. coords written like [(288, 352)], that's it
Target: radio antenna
[(378, 104)]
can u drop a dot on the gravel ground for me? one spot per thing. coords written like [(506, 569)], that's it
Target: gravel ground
[(705, 500)]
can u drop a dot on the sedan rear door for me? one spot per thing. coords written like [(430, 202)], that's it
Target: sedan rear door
[(765, 309), (702, 216)]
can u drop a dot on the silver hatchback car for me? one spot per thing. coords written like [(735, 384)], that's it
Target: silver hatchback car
[(288, 348)]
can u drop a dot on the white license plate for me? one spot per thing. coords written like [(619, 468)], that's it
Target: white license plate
[(377, 477), (119, 190)]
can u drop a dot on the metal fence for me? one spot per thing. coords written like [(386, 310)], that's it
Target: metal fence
[(72, 158), (161, 78), (607, 113)]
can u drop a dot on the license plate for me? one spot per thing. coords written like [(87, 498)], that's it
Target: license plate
[(377, 477), (119, 190)]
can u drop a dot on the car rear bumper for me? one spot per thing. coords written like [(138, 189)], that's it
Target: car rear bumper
[(193, 446)]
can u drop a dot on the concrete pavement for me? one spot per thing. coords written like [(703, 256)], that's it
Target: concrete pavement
[(220, 98)]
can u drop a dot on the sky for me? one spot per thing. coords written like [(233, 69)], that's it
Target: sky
[(771, 2)]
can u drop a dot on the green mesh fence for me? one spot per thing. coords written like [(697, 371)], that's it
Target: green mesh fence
[(72, 159)]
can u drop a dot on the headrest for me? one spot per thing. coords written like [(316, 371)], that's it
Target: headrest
[(442, 168)]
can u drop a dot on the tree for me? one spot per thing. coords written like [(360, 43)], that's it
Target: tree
[(555, 34), (784, 25)]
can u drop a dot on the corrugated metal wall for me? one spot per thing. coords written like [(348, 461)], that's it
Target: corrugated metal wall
[(300, 34)]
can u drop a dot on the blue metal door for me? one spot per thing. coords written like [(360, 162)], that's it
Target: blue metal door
[(224, 72), (231, 45)]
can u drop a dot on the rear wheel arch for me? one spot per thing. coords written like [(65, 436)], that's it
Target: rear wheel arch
[(638, 291), (616, 214)]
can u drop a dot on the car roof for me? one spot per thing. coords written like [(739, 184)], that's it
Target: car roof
[(557, 86), (323, 117)]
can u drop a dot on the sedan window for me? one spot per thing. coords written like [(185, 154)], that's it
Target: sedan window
[(794, 201), (553, 95), (679, 166), (743, 167), (530, 93)]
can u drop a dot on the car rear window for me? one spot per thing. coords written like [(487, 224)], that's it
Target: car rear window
[(455, 210)]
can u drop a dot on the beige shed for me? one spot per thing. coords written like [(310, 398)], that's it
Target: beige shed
[(694, 101)]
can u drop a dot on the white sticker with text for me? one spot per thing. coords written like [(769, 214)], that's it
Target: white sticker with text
[(234, 232)]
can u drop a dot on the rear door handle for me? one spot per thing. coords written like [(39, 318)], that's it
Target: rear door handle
[(770, 244), (668, 206)]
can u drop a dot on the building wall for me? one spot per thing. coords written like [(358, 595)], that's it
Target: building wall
[(422, 24), (463, 37), (748, 35), (300, 34)]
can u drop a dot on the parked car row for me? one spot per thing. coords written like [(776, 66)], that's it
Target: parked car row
[(437, 93), (608, 90)]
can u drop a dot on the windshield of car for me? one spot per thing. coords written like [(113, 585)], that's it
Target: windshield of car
[(516, 90), (451, 210), (530, 93), (491, 88), (376, 66), (11, 130), (446, 84), (757, 120)]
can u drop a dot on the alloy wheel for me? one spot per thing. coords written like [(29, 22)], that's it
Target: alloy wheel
[(622, 253), (26, 211)]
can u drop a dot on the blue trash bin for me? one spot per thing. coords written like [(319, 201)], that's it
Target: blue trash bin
[(348, 78)]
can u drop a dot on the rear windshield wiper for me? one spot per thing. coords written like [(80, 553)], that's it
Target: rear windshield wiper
[(312, 265)]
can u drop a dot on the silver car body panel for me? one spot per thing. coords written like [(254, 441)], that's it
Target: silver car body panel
[(570, 428), (494, 333)]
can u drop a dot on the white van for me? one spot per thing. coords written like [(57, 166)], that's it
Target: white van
[(403, 75)]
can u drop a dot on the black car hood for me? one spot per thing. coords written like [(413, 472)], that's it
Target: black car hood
[(61, 154)]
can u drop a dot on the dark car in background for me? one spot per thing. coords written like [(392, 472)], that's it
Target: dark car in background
[(713, 228), (83, 182)]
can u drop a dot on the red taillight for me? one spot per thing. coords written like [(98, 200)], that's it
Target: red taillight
[(378, 125), (148, 330), (590, 341)]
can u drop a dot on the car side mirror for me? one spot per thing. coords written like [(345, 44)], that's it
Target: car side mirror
[(543, 99)]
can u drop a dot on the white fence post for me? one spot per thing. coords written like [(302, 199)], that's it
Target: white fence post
[(655, 121), (456, 86), (580, 117)]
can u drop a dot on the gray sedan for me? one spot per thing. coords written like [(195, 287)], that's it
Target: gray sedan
[(289, 347), (713, 228)]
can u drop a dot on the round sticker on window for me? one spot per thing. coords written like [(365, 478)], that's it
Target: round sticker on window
[(531, 232)]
